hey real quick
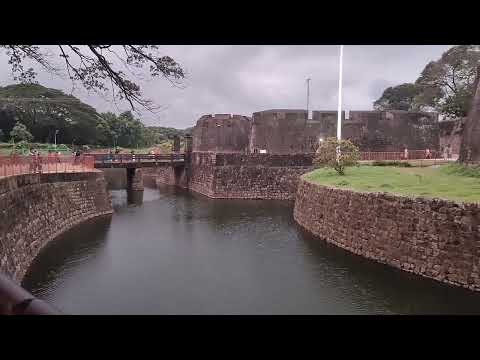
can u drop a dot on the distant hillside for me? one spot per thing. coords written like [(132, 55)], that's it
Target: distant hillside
[(35, 91), (45, 111)]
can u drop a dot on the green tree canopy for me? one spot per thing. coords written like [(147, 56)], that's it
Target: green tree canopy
[(400, 97), (20, 133), (445, 85), (43, 111), (448, 83)]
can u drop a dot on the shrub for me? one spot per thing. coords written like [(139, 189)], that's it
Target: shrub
[(326, 155)]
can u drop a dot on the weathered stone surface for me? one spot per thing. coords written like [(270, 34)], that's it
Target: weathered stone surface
[(438, 239), (451, 132), (238, 176), (36, 208), (392, 130), (289, 131), (222, 133), (470, 146), (134, 179), (286, 131)]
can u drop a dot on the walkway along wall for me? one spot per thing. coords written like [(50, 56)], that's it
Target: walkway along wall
[(238, 176), (437, 239), (36, 208)]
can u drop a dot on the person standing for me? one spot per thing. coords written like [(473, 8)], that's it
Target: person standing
[(32, 160), (405, 154), (449, 151), (428, 155)]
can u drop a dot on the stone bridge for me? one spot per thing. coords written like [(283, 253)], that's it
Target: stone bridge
[(134, 162)]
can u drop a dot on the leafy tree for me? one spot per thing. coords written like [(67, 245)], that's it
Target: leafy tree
[(400, 97), (45, 110), (21, 133), (447, 84), (97, 67), (123, 130), (326, 155)]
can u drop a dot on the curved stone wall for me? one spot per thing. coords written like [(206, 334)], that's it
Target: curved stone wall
[(36, 208), (434, 238)]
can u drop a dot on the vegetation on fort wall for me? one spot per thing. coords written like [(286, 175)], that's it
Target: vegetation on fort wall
[(451, 182)]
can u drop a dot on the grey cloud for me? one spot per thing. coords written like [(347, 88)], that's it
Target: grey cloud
[(244, 79)]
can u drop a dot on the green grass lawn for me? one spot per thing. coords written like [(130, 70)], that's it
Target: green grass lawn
[(453, 182)]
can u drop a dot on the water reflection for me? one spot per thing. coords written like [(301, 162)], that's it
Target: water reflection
[(182, 253), (54, 262), (384, 287), (134, 197)]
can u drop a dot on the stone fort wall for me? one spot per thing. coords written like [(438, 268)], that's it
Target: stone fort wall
[(392, 130), (451, 134), (437, 239), (289, 131), (238, 176), (222, 133), (285, 131), (36, 208)]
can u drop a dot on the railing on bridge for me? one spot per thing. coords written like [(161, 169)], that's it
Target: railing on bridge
[(390, 155), (52, 163), (15, 300), (133, 158)]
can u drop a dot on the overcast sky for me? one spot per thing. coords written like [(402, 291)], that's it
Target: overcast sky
[(241, 79)]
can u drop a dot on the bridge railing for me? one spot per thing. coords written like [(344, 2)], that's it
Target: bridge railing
[(129, 158), (52, 163), (15, 300)]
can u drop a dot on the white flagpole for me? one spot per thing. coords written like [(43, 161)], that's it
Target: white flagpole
[(308, 95), (339, 110), (339, 113)]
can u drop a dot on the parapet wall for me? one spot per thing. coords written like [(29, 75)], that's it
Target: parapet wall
[(36, 208), (437, 239)]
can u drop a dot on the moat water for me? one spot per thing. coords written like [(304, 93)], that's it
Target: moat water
[(181, 253)]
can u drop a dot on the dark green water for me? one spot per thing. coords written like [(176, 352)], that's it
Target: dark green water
[(182, 253)]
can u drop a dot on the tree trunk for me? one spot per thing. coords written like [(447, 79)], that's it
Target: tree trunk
[(470, 146)]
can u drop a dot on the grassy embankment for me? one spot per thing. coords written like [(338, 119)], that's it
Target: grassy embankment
[(452, 182)]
